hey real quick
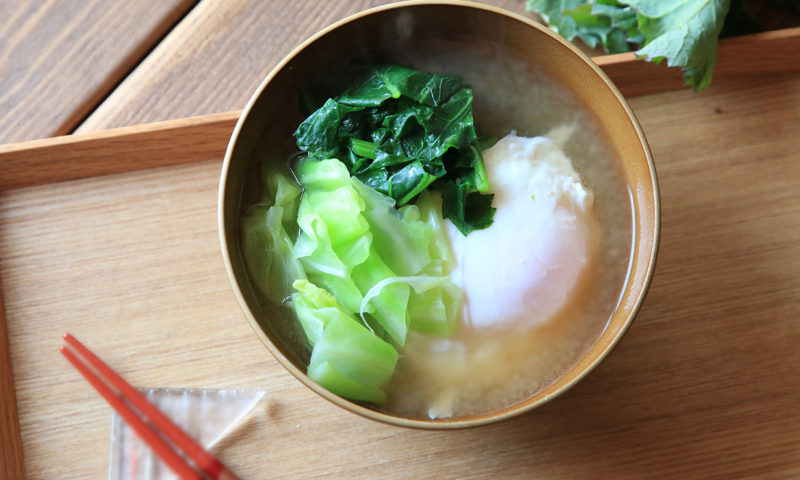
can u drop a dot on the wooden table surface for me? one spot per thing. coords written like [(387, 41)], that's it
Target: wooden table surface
[(705, 384)]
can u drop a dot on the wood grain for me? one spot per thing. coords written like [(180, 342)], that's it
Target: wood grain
[(11, 461), (201, 138), (59, 59), (114, 151), (703, 385), (217, 56), (223, 54)]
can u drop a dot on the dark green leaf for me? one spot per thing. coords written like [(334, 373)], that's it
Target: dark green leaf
[(466, 209), (408, 182), (399, 131), (362, 148), (451, 125), (319, 133)]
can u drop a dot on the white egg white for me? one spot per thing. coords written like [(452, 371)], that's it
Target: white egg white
[(521, 271)]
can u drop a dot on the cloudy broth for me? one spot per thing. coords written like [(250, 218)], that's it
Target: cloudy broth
[(478, 372)]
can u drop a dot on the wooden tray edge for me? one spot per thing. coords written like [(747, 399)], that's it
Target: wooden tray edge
[(205, 137), (119, 150), (12, 465), (757, 55)]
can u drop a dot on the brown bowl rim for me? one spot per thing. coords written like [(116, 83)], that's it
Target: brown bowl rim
[(419, 423)]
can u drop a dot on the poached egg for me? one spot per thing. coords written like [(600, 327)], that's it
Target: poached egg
[(521, 271)]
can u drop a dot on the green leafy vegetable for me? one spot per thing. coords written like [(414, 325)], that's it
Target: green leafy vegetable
[(598, 23), (347, 359), (360, 273), (366, 265), (464, 208), (353, 238), (401, 131), (684, 32), (433, 307), (265, 226)]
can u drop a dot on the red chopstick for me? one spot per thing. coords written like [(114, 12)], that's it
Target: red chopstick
[(123, 398)]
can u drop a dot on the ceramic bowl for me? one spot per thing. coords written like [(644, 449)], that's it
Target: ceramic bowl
[(264, 134)]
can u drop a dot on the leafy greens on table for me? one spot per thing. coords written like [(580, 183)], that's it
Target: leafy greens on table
[(684, 32), (401, 131)]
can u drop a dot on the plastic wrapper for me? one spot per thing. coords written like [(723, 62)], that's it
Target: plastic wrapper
[(207, 415)]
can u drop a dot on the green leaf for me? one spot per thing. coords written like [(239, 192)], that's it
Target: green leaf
[(402, 243), (346, 358), (392, 81), (390, 307), (467, 210), (326, 374), (352, 238), (429, 209), (266, 243), (685, 33), (360, 274), (320, 131), (552, 11), (608, 23), (450, 126), (435, 302), (409, 181), (334, 236), (315, 309), (401, 131)]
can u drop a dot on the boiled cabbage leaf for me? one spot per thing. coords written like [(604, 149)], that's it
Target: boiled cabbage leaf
[(266, 241), (359, 273), (352, 238), (346, 357)]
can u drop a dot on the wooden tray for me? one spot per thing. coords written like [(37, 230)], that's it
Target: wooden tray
[(125, 256)]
